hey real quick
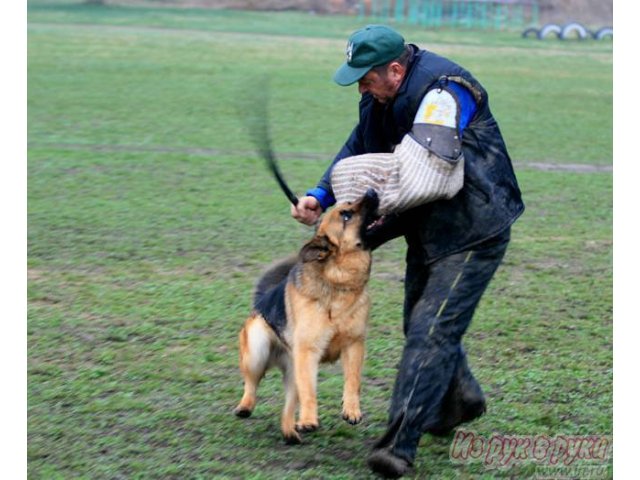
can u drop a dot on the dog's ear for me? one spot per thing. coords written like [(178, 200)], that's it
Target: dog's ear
[(318, 249)]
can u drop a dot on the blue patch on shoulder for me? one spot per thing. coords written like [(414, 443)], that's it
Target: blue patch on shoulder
[(466, 102)]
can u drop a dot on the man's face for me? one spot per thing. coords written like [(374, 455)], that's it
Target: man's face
[(382, 85)]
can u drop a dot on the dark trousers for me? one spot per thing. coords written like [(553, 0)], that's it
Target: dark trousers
[(440, 299)]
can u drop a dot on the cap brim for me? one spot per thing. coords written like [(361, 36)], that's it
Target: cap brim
[(346, 74)]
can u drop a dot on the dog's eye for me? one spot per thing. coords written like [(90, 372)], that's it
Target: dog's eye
[(346, 215)]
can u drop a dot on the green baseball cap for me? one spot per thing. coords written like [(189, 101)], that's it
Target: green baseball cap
[(367, 48)]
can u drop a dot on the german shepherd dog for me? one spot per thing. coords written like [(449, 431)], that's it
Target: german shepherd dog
[(309, 309)]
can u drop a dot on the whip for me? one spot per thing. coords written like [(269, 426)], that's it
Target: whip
[(257, 118)]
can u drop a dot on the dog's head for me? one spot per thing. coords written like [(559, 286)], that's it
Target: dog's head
[(343, 229)]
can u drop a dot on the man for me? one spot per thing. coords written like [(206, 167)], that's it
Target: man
[(454, 244)]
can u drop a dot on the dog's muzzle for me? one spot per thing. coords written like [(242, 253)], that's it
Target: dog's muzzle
[(371, 217)]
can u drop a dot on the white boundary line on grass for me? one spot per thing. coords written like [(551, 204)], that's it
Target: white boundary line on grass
[(199, 151)]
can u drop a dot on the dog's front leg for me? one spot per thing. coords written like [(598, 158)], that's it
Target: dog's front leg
[(352, 359), (306, 361)]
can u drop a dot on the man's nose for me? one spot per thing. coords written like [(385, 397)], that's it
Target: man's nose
[(362, 88)]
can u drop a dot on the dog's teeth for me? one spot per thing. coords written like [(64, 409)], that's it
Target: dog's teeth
[(376, 223)]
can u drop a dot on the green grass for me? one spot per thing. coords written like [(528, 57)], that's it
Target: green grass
[(149, 220), (146, 85)]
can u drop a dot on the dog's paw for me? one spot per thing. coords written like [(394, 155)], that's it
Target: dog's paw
[(242, 412), (307, 427), (292, 438), (352, 414), (353, 417)]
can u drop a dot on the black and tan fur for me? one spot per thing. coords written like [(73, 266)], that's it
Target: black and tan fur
[(312, 309)]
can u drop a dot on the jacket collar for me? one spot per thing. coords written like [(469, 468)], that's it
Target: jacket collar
[(410, 65)]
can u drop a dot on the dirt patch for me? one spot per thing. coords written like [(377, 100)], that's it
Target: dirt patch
[(347, 7), (589, 12)]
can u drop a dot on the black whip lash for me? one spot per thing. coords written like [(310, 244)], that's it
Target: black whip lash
[(257, 118)]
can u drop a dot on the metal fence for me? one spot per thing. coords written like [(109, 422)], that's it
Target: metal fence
[(483, 14)]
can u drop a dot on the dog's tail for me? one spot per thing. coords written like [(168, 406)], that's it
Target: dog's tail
[(273, 277)]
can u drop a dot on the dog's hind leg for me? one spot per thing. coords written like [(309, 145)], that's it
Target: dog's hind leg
[(256, 344)]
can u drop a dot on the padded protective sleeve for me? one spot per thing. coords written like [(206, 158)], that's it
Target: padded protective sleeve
[(442, 116)]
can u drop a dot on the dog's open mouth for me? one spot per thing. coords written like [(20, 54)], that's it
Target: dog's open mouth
[(372, 219), (377, 223)]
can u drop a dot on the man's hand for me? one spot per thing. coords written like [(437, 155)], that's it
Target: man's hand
[(307, 211)]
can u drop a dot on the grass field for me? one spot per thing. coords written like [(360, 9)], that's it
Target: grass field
[(149, 219)]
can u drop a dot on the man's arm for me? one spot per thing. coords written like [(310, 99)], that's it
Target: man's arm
[(353, 146), (318, 199)]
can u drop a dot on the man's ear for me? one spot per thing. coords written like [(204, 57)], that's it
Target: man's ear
[(396, 71), (318, 249)]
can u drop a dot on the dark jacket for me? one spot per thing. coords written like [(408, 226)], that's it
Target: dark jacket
[(490, 200)]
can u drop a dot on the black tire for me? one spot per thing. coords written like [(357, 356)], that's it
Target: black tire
[(549, 28), (530, 32), (603, 33), (573, 28)]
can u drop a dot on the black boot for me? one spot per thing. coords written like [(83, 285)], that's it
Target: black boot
[(382, 459), (383, 462), (463, 402)]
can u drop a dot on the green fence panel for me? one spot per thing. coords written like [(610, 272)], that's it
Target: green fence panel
[(496, 14), (399, 11)]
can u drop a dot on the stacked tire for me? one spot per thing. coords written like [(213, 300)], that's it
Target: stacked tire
[(574, 30), (603, 33), (569, 31)]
